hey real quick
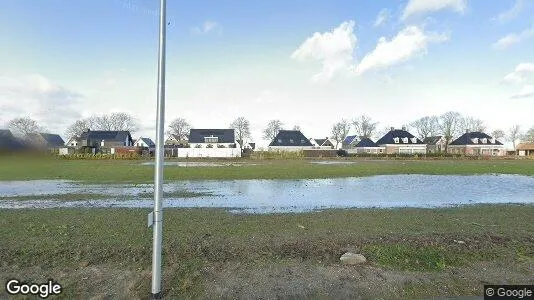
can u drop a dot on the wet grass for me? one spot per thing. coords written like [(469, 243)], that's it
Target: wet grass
[(58, 242), (89, 196), (106, 171)]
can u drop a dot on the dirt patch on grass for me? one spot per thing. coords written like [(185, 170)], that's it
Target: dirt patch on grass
[(272, 279)]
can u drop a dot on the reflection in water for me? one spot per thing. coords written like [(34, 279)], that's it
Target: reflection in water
[(384, 191)]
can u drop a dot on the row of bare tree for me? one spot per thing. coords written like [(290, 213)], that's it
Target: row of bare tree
[(449, 125)]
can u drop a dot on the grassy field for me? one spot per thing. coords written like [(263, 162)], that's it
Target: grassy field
[(212, 253), (132, 171)]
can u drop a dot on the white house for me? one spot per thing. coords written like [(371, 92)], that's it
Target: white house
[(212, 138)]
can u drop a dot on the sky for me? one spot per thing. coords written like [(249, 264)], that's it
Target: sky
[(306, 63)]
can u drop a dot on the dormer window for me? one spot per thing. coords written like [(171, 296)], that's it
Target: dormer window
[(492, 140), (102, 143), (484, 140), (291, 141), (279, 141), (302, 142), (405, 140), (474, 140), (414, 140), (211, 139), (396, 140)]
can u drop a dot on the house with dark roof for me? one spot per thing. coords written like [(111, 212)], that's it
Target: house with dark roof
[(144, 142), (8, 142), (98, 139), (435, 144), (212, 138), (46, 140), (525, 149), (476, 143), (325, 143), (350, 142), (290, 140), (366, 145), (400, 141)]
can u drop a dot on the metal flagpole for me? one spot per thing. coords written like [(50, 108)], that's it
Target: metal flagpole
[(156, 217)]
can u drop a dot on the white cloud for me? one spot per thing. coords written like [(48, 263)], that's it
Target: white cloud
[(415, 7), (408, 43), (526, 92), (521, 72), (382, 17), (36, 96), (334, 49), (207, 27), (513, 38), (511, 13)]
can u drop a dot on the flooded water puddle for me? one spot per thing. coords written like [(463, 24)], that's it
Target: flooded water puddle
[(200, 164), (272, 196)]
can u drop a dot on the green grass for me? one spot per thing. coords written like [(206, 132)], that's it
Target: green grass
[(404, 239), (132, 171)]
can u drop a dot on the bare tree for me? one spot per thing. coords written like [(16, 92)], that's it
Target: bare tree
[(426, 126), (242, 130), (473, 124), (449, 126), (272, 129), (340, 130), (113, 122), (180, 128), (22, 127), (528, 136), (364, 125), (77, 128), (498, 134), (514, 133)]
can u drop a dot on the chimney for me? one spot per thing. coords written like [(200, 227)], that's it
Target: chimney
[(467, 131), (392, 128), (403, 127)]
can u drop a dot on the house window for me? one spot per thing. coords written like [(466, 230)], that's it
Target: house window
[(405, 140), (414, 140), (302, 141), (279, 141), (396, 140), (492, 140), (484, 140), (211, 139), (474, 140), (102, 143), (291, 141)]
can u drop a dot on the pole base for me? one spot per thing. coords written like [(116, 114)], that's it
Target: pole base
[(156, 296)]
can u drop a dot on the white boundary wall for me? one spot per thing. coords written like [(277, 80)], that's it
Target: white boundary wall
[(208, 152)]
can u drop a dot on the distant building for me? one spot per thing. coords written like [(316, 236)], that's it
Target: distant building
[(325, 143), (144, 143), (46, 140), (435, 144), (175, 140), (212, 138), (290, 140), (366, 145), (400, 141), (105, 139), (350, 142), (8, 142), (476, 143), (525, 149)]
